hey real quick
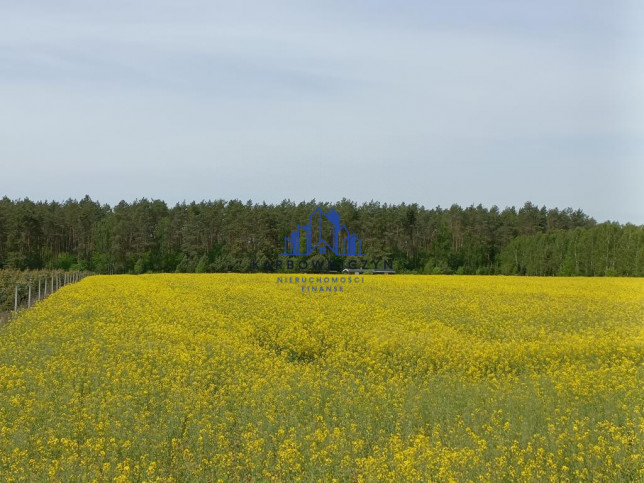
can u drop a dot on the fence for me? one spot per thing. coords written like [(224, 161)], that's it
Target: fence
[(20, 290)]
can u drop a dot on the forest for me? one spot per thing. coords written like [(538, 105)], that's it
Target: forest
[(232, 236)]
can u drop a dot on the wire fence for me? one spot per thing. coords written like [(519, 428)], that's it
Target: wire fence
[(22, 289)]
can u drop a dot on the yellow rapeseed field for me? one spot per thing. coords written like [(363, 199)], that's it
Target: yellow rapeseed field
[(403, 378)]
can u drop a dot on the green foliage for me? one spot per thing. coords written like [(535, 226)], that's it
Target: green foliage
[(227, 236), (139, 266), (202, 266), (608, 249), (65, 261)]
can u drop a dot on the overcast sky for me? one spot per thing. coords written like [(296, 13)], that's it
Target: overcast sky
[(492, 102)]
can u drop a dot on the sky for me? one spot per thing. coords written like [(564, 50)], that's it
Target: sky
[(492, 102)]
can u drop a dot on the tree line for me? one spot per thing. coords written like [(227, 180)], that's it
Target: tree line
[(221, 236)]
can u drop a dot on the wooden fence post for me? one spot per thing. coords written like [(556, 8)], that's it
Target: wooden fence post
[(29, 296), (15, 300)]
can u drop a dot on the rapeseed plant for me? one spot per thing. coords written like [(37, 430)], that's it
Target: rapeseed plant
[(405, 378)]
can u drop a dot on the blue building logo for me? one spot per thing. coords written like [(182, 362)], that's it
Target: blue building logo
[(323, 232)]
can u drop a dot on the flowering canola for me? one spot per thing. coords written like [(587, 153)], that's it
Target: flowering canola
[(233, 377)]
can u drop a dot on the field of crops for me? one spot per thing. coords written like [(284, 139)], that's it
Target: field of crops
[(403, 378)]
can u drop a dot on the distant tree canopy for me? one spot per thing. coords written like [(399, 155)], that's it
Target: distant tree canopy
[(219, 236)]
